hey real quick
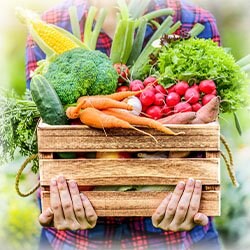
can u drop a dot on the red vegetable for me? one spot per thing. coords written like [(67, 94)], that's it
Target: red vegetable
[(196, 106), (159, 88), (154, 112), (147, 97), (172, 99), (122, 88), (159, 99), (192, 95), (181, 88), (122, 71), (207, 86), (150, 81)]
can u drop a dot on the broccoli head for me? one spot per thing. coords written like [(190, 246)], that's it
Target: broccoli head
[(80, 72)]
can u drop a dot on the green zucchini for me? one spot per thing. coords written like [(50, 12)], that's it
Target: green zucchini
[(47, 101)]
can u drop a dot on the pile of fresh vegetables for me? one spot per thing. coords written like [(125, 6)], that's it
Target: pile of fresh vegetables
[(172, 79)]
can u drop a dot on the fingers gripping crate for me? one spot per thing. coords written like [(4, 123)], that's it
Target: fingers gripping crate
[(135, 171)]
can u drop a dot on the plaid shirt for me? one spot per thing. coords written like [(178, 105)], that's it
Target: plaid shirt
[(126, 233)]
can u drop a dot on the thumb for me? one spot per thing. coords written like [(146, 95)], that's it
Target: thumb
[(46, 217), (201, 219)]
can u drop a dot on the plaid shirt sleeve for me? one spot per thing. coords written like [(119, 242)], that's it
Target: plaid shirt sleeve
[(125, 233)]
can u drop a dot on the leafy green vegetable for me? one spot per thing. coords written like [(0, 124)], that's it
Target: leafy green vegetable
[(79, 72), (194, 60), (18, 121)]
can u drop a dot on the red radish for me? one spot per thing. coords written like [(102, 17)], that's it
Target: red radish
[(122, 88), (159, 99), (214, 92), (192, 95), (172, 99), (147, 97), (196, 87), (135, 82), (181, 88), (171, 89), (182, 107), (159, 88), (150, 81), (207, 86), (137, 87), (196, 106), (154, 112), (207, 98), (122, 71), (166, 110), (150, 88)]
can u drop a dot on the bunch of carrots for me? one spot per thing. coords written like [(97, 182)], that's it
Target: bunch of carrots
[(111, 111)]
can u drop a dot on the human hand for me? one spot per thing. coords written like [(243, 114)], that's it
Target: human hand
[(179, 210), (70, 210)]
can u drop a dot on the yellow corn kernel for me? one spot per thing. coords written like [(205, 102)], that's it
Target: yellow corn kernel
[(53, 38)]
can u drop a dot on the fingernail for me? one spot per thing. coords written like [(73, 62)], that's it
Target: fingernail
[(61, 179), (53, 182), (190, 181), (82, 196), (48, 212), (198, 183), (72, 184), (181, 184)]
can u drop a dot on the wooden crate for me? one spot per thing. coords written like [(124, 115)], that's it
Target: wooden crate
[(134, 171)]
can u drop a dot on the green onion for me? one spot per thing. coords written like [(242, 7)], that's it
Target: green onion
[(74, 22), (196, 30)]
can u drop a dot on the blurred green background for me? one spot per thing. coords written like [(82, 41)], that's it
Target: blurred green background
[(19, 227)]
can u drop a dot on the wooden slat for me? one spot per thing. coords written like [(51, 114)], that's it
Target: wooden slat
[(82, 138), (138, 203), (131, 171)]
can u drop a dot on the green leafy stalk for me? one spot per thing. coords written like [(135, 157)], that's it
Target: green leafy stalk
[(123, 9), (74, 22), (163, 29), (118, 41), (143, 59), (196, 30), (244, 61), (237, 123), (98, 26), (18, 121), (158, 13), (89, 25), (175, 27), (128, 42), (137, 8), (138, 43)]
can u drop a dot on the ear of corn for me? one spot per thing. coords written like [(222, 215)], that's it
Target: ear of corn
[(50, 38)]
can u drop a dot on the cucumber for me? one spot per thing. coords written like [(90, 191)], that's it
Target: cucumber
[(47, 101), (49, 105)]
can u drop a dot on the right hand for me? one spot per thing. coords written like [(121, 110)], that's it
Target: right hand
[(69, 209)]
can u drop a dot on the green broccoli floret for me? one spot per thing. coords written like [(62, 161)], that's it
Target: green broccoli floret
[(80, 72)]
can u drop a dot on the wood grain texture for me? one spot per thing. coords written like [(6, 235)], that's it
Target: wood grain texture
[(137, 203), (83, 139), (131, 171)]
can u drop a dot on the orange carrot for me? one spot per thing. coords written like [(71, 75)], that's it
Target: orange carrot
[(74, 112), (179, 118), (208, 113), (98, 103), (119, 96), (137, 120), (97, 119)]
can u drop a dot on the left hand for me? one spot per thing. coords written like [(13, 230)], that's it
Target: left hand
[(179, 210)]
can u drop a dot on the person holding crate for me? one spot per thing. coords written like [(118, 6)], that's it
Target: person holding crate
[(176, 224)]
